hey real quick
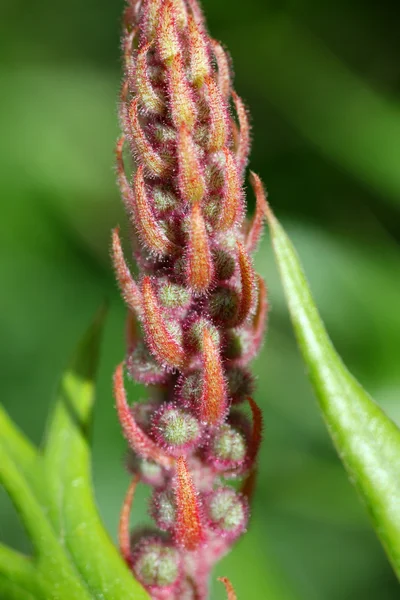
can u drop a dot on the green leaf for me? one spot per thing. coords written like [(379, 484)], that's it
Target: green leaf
[(367, 441), (74, 558)]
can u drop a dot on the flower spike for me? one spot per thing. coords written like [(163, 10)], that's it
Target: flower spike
[(150, 19), (135, 436), (127, 49), (198, 316), (229, 588), (197, 13), (188, 532), (124, 538), (165, 347)]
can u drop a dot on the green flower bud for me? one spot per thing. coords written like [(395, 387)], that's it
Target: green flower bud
[(164, 200), (228, 447), (227, 511), (175, 429), (163, 509), (224, 264), (173, 295), (195, 333), (155, 563), (223, 304)]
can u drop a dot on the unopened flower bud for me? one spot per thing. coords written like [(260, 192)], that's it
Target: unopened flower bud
[(240, 384), (143, 368), (176, 430), (196, 330), (239, 345), (155, 563), (172, 295), (163, 509), (164, 200), (212, 210), (189, 389), (223, 304), (227, 511), (227, 449), (150, 472), (224, 264)]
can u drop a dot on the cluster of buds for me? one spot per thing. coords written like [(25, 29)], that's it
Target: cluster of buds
[(197, 311)]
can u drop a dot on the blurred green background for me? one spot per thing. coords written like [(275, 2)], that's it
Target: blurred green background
[(323, 84)]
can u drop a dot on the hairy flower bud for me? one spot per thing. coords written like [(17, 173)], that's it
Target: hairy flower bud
[(224, 304), (240, 384), (227, 511), (195, 335), (228, 448), (176, 430), (163, 509), (155, 563), (224, 264), (148, 471), (174, 296)]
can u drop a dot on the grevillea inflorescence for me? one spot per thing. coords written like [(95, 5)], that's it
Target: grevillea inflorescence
[(197, 310)]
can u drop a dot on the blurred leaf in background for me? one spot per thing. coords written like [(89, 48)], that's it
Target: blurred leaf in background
[(322, 82)]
